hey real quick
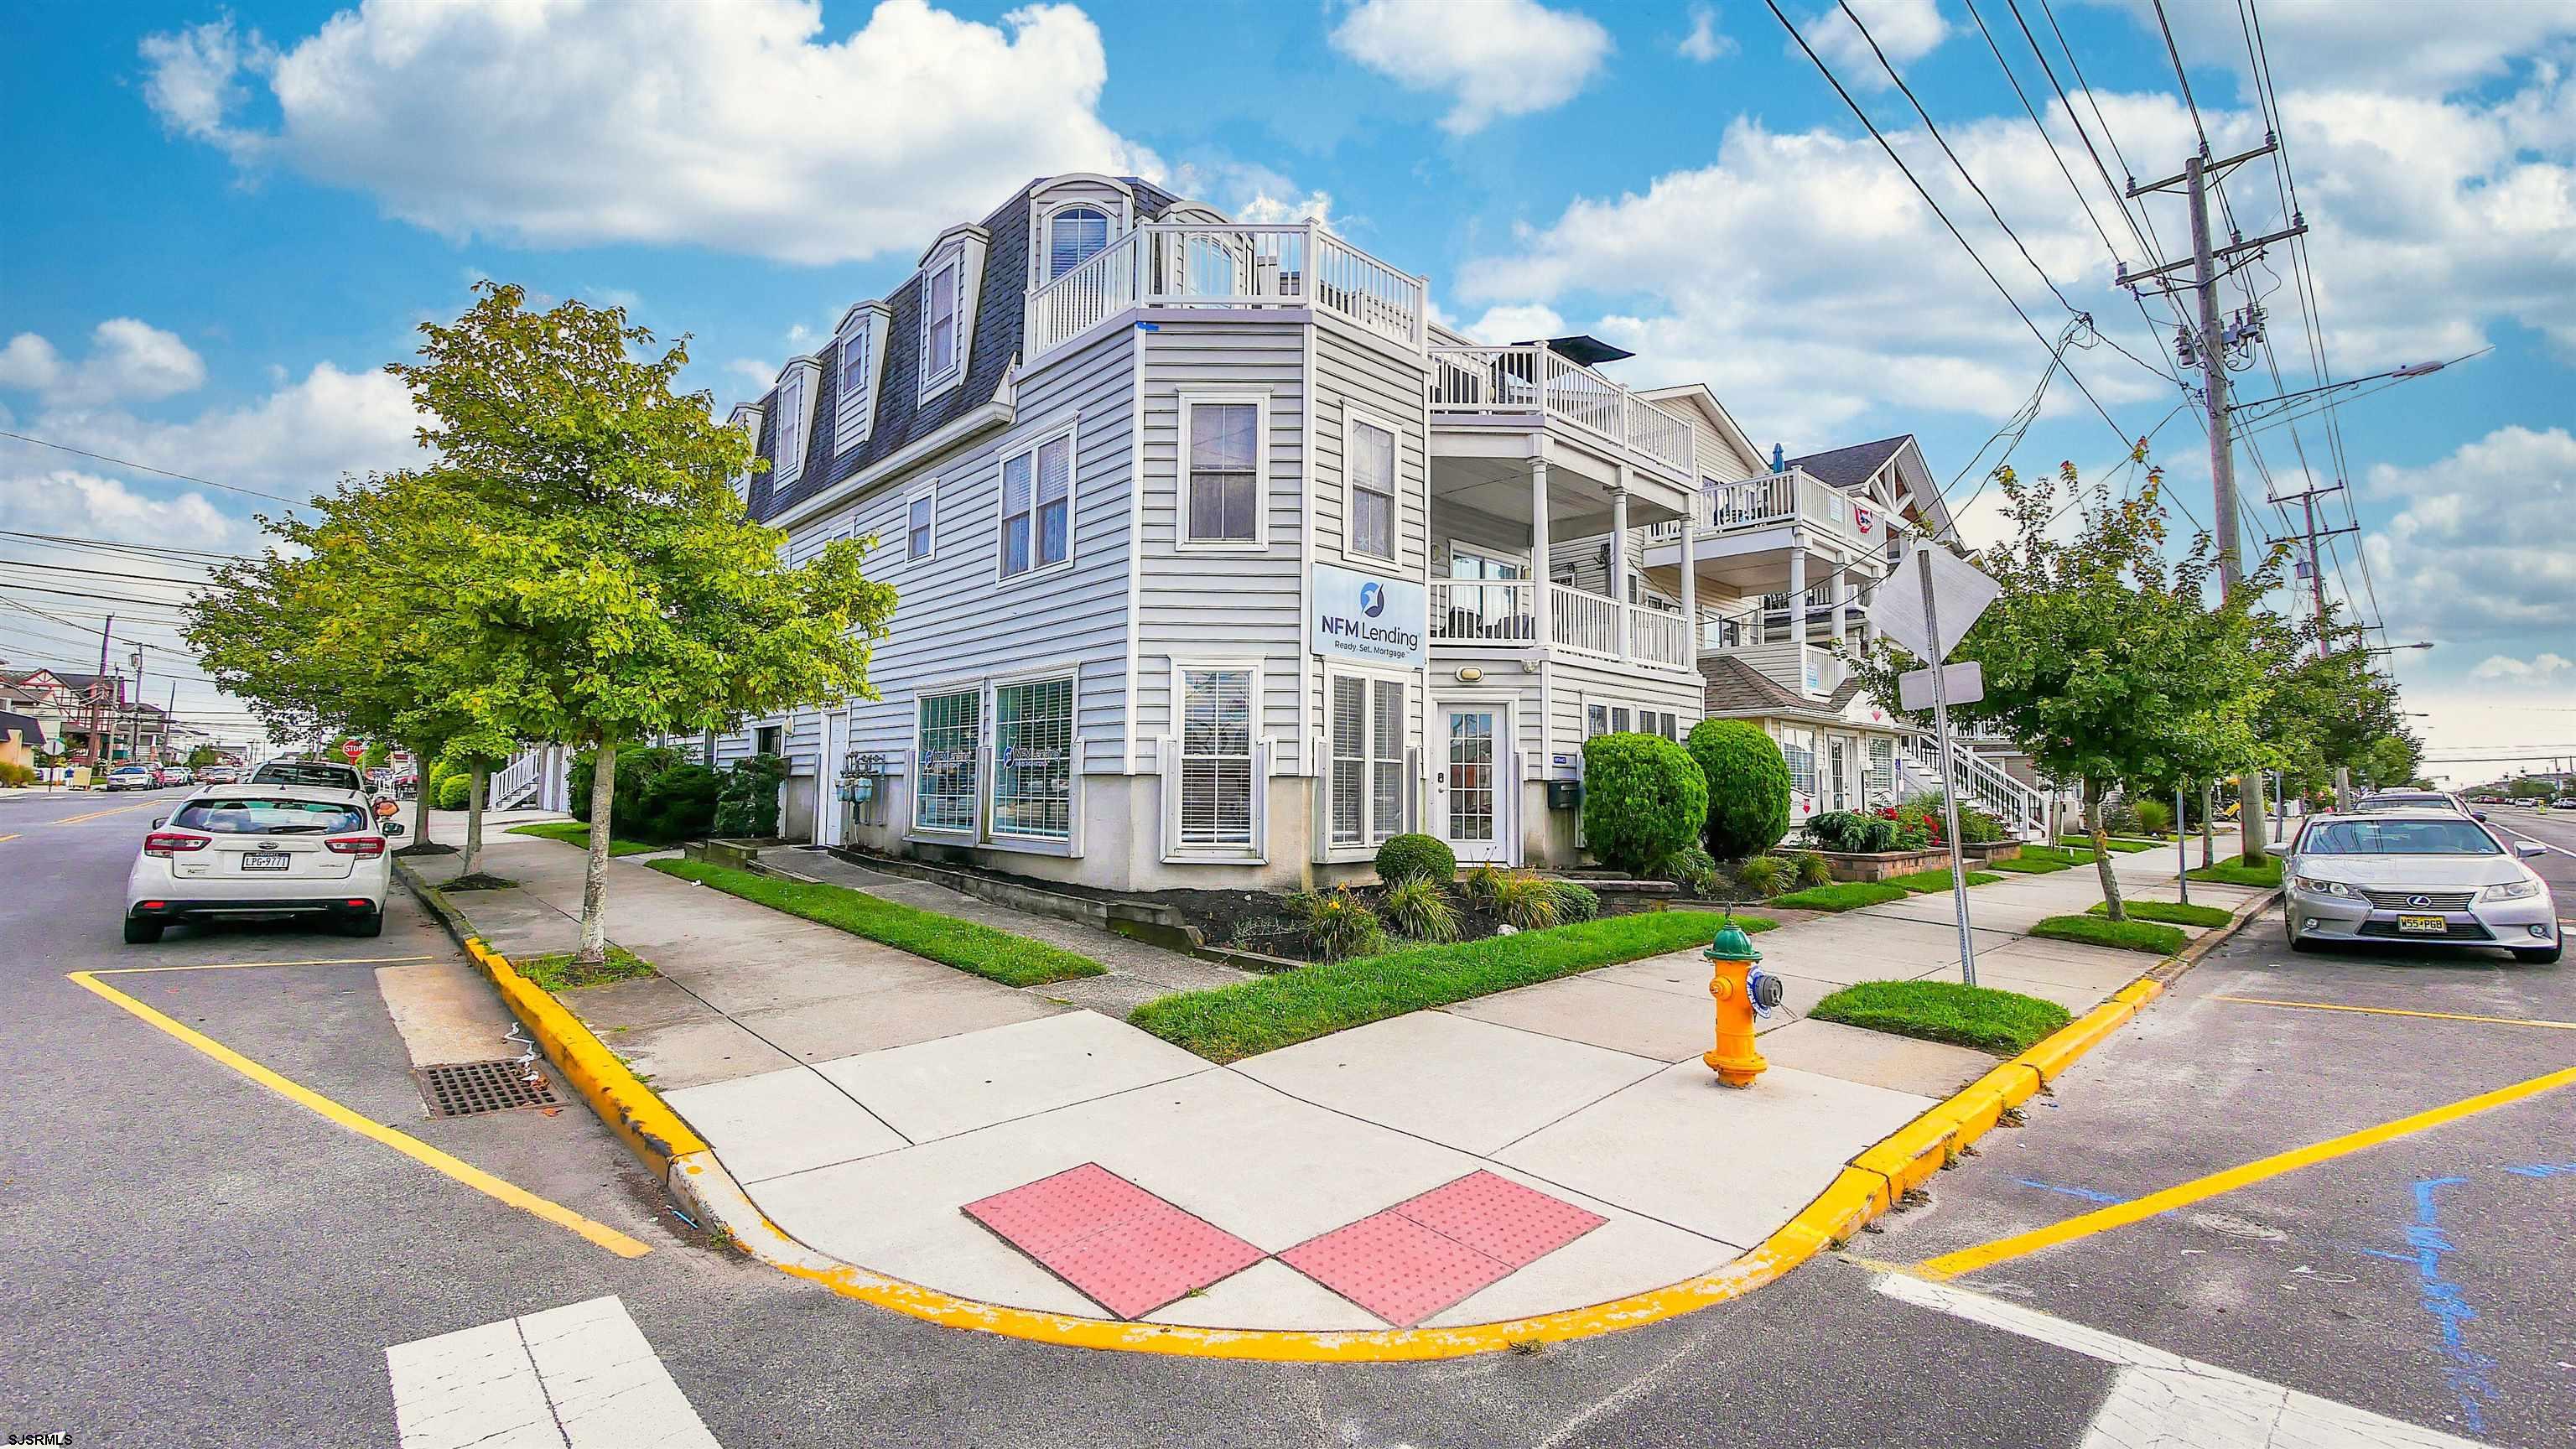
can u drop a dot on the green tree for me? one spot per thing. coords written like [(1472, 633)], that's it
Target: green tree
[(2103, 659), (1748, 786), (606, 585)]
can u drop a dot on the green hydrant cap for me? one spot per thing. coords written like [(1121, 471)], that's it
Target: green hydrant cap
[(1732, 945)]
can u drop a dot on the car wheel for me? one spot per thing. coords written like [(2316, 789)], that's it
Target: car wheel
[(2537, 955), (141, 932), (370, 924)]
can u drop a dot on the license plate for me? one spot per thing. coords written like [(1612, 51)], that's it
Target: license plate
[(266, 860), (2424, 925)]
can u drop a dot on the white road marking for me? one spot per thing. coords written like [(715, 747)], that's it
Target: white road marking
[(2162, 1400), (2534, 839), (577, 1377)]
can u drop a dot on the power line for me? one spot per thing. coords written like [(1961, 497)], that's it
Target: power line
[(2176, 55), (146, 467), (106, 545)]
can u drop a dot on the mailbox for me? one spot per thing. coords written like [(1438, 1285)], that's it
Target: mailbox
[(1565, 794)]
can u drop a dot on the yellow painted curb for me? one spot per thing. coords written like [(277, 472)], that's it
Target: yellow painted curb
[(647, 1125)]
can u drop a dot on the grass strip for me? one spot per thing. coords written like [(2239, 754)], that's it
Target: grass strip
[(2029, 864), (1845, 895), (966, 945), (1924, 882), (2173, 913), (2002, 1022), (559, 972), (1251, 1017), (2235, 871), (573, 832), (2117, 844), (2163, 940)]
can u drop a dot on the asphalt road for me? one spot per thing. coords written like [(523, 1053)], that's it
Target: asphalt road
[(192, 1259)]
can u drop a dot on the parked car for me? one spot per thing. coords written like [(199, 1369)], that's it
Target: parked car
[(252, 851), (178, 775), (129, 777), (406, 785), (2427, 876), (317, 774), (2378, 800), (218, 775)]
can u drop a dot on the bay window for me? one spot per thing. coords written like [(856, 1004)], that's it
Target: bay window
[(1216, 785), (1033, 759), (951, 736), (1037, 507)]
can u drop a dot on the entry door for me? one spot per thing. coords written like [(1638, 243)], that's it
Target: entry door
[(1842, 775), (1470, 799), (827, 779)]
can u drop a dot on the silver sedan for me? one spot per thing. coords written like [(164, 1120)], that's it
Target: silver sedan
[(2429, 877)]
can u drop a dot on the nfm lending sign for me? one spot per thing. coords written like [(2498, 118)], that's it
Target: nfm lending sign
[(1369, 620)]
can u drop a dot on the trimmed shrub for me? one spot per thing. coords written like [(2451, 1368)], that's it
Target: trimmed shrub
[(679, 804), (1576, 902), (1812, 870), (747, 802), (1691, 868), (1643, 799), (577, 780), (1843, 830), (1416, 857), (1748, 787), (1527, 903), (1336, 924), (1764, 875), (455, 792), (1417, 909)]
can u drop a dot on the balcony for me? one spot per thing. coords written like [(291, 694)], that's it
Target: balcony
[(1528, 386), (1176, 264), (1769, 535), (1504, 615)]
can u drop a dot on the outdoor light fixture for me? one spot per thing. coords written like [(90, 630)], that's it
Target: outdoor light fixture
[(1469, 674)]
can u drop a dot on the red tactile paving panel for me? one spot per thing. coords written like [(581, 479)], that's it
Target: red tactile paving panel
[(1500, 1218), (1126, 1249), (1394, 1267)]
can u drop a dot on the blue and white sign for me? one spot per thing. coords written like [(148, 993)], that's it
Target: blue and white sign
[(1369, 619)]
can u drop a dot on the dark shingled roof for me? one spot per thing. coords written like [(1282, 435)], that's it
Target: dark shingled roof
[(900, 420), (1734, 685), (30, 733), (1849, 468)]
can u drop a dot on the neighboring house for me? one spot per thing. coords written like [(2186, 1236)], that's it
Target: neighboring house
[(79, 711), (1842, 748), (21, 739)]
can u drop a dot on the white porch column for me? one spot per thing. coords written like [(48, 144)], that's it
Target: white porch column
[(1843, 591), (1690, 576), (1619, 561), (1542, 620), (1797, 587)]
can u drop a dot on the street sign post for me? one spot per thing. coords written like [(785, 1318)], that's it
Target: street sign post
[(1931, 604), (1960, 683)]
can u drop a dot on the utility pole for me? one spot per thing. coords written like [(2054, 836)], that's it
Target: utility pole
[(95, 724), (2210, 349)]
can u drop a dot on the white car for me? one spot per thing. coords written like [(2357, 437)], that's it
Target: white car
[(128, 777), (2420, 876), (258, 851), (324, 774)]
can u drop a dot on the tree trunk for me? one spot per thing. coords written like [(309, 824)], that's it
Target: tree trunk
[(2102, 851), (594, 874), (419, 796), (2208, 832), (476, 793)]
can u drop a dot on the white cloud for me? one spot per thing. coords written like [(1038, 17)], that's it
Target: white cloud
[(2408, 45), (1905, 30), (2472, 559), (127, 359), (734, 126), (1251, 193), (294, 441), (1508, 324), (1500, 58), (2541, 670), (87, 505), (1705, 42)]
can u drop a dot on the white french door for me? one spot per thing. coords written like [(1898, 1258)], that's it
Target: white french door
[(827, 778), (1842, 774), (1471, 800)]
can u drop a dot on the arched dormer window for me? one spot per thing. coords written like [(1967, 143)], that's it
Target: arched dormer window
[(1074, 236)]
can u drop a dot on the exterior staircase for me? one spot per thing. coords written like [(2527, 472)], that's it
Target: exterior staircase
[(2023, 809)]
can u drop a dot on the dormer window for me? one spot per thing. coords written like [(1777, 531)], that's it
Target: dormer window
[(861, 364), (854, 363), (939, 321), (794, 425), (1074, 236)]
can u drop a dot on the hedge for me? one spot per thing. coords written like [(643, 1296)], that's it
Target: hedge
[(1643, 799)]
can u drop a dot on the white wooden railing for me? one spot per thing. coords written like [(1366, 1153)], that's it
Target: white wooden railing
[(1589, 622), (1529, 378), (516, 783), (1768, 501), (2023, 809), (1484, 611), (1175, 264), (1657, 636)]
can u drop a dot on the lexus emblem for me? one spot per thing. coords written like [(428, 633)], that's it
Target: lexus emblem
[(2419, 900)]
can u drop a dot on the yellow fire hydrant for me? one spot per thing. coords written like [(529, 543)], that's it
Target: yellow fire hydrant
[(1736, 987)]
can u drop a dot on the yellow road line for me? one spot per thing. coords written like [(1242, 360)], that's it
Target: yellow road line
[(2120, 1215), (4, 839), (240, 965), (402, 1142), (93, 815), (2394, 1011)]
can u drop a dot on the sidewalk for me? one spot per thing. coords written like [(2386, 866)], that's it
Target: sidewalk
[(1541, 1149)]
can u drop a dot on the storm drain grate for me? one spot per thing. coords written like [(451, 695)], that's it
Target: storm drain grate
[(463, 1089)]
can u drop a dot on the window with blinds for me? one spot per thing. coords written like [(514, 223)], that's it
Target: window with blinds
[(1216, 758), (1367, 787), (1799, 750), (1033, 759), (1224, 482), (854, 363), (1037, 507), (1882, 766), (1371, 468), (951, 735), (1074, 236), (939, 323)]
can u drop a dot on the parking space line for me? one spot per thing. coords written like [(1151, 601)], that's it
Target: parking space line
[(2395, 1011), (402, 1142), (244, 965), (2120, 1215)]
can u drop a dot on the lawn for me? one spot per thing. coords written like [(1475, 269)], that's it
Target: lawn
[(2040, 860), (2163, 940), (966, 945), (1844, 895), (1251, 1017), (2173, 913), (1924, 882), (573, 832), (2002, 1022), (2084, 847), (2234, 871), (558, 973)]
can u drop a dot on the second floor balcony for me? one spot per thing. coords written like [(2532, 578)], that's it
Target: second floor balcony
[(1207, 266), (1533, 385), (1774, 534), (1505, 614)]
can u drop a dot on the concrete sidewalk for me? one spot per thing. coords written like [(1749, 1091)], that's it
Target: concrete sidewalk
[(1540, 1149)]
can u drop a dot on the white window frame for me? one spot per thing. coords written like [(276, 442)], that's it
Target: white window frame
[(1109, 232), (988, 812), (1197, 397), (1373, 831), (1352, 420), (925, 492), (939, 379), (1176, 764), (974, 828), (1067, 433), (788, 438)]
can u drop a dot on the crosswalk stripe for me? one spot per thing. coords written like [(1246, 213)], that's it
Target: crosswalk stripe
[(2162, 1400), (582, 1376)]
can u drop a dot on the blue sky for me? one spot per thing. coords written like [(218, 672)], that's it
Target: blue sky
[(226, 219)]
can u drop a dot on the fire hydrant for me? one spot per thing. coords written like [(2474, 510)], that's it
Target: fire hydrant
[(1739, 988)]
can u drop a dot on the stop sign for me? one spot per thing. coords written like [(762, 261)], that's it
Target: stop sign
[(353, 750)]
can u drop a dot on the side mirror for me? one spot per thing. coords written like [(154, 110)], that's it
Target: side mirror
[(2530, 849), (392, 829), (164, 820), (2478, 815)]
